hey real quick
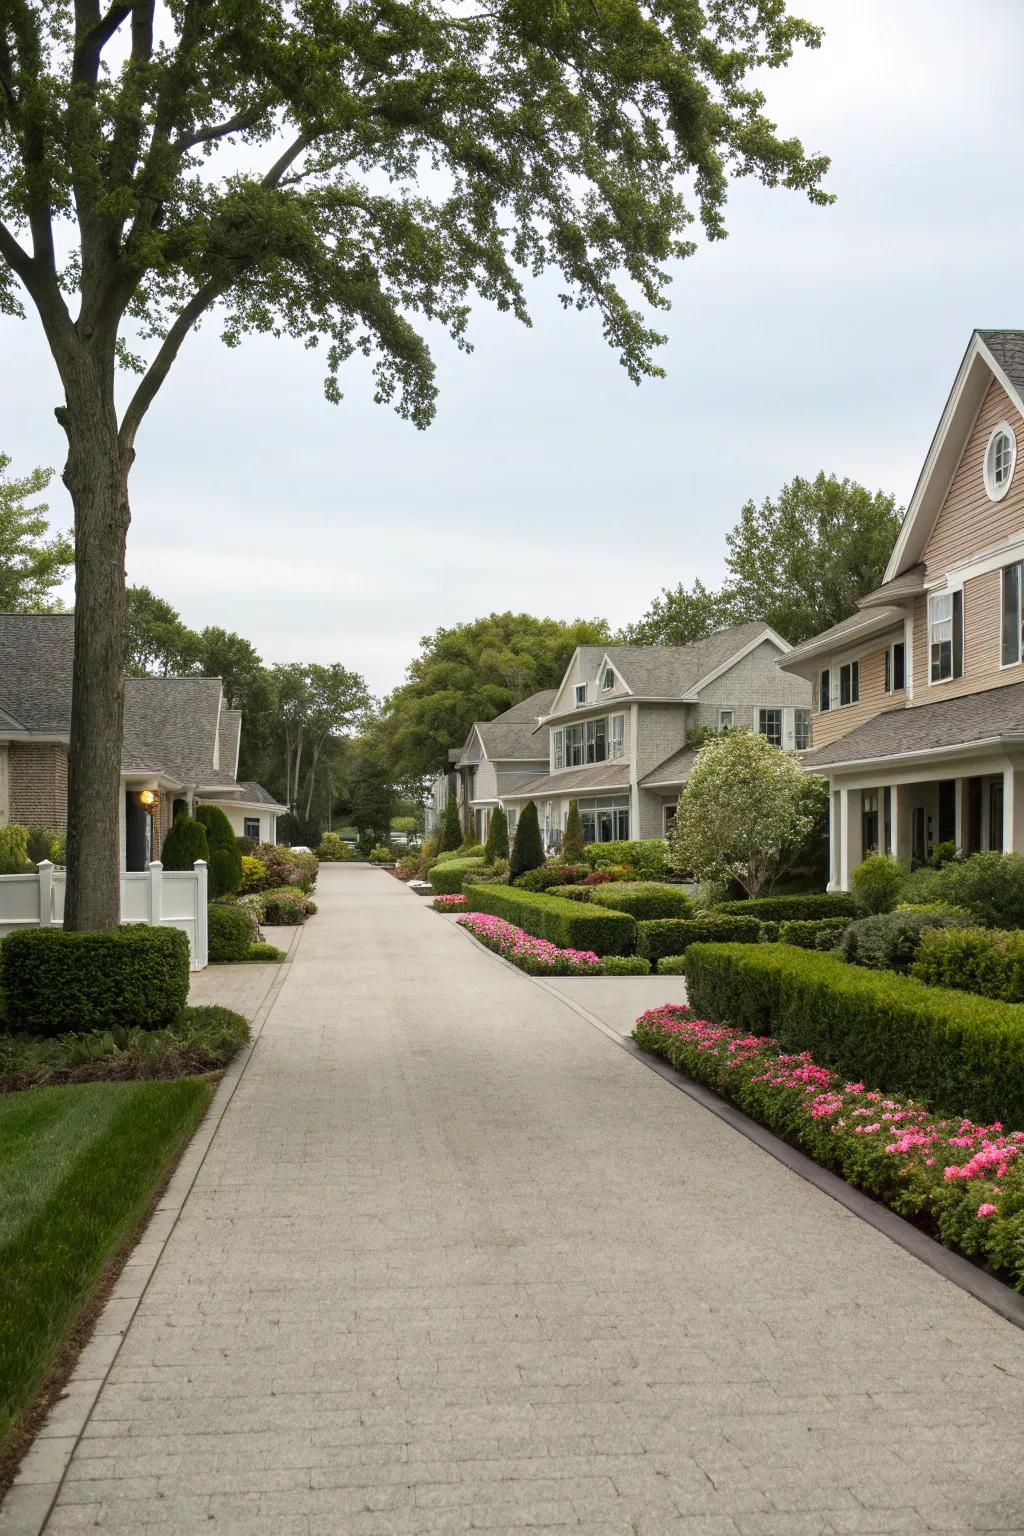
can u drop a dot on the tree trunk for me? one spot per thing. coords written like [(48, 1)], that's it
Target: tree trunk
[(97, 481)]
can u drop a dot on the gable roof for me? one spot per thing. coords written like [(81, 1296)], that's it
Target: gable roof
[(36, 652), (859, 626), (527, 710), (510, 735), (170, 724), (991, 354), (673, 671)]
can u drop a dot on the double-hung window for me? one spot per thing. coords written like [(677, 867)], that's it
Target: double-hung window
[(581, 695), (896, 667), (801, 729), (946, 635), (824, 689), (1011, 644), (770, 725), (573, 746), (558, 756), (849, 683), (596, 740), (616, 736), (725, 719), (251, 827)]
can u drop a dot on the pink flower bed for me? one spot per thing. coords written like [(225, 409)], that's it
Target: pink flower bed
[(964, 1181), (537, 956), (456, 903)]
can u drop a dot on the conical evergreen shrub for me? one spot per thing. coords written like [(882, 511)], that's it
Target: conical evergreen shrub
[(451, 832), (572, 838), (185, 843), (225, 854), (527, 848), (496, 846)]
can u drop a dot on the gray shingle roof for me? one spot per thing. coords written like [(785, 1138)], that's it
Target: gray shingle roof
[(669, 671), (869, 622), (575, 780), (171, 723), (1007, 347), (36, 651), (674, 770), (255, 794), (510, 736), (527, 710), (230, 736), (907, 584), (972, 717)]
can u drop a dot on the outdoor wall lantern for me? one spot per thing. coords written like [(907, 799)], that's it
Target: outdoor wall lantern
[(147, 797)]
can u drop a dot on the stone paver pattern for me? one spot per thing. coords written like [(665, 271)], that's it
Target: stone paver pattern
[(455, 1262)]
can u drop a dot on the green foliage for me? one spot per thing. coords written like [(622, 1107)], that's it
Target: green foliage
[(554, 872), (268, 953), (231, 931), (284, 907), (285, 866), (813, 933), (944, 852), (956, 1052), (225, 855), (878, 883), (487, 874), (157, 642), (781, 909), (185, 844), (30, 564), (450, 834), (990, 885), (496, 846), (254, 873), (890, 940), (380, 854), (447, 875), (672, 965), (646, 857), (625, 965), (643, 900), (14, 858), (569, 924), (527, 847), (43, 843), (572, 837), (799, 562), (53, 981), (980, 960), (332, 849), (573, 892), (199, 1040), (674, 935)]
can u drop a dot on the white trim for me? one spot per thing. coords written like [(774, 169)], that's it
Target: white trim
[(997, 492), (937, 682), (826, 643), (606, 662)]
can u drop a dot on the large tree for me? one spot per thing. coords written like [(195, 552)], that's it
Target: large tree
[(31, 564), (800, 561), (331, 169)]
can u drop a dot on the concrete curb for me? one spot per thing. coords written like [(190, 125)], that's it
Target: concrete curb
[(26, 1509), (952, 1266)]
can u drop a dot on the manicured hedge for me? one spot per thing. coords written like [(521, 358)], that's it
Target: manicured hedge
[(644, 900), (956, 1052), (446, 878), (980, 960), (780, 909), (645, 856), (230, 931), (625, 965), (54, 982), (672, 965), (674, 935), (574, 892), (812, 933), (569, 924)]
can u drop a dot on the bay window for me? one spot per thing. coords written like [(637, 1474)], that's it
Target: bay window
[(801, 729), (573, 746), (596, 740), (558, 755)]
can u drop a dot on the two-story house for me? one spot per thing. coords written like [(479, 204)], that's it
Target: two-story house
[(918, 697), (497, 756), (618, 736)]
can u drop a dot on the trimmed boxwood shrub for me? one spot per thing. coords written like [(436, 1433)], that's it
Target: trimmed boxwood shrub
[(956, 1052), (980, 960), (672, 965), (230, 931), (645, 856), (889, 941), (779, 909), (674, 935), (446, 878), (569, 924), (811, 933), (55, 982), (185, 843), (574, 892), (643, 900), (553, 873), (625, 965)]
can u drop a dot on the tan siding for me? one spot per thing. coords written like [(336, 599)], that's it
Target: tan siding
[(981, 645), (968, 521), (828, 725), (39, 785)]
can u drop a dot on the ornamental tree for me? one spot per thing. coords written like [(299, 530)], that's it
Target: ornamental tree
[(527, 845), (185, 843), (745, 814), (342, 171), (572, 838), (496, 846), (450, 836), (225, 854)]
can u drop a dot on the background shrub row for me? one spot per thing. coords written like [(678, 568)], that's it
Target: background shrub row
[(569, 924)]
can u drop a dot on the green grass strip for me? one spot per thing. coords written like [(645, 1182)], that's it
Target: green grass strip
[(79, 1166)]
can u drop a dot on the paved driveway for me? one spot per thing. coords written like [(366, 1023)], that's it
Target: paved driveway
[(455, 1262)]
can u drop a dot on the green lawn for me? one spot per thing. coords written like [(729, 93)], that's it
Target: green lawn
[(79, 1165)]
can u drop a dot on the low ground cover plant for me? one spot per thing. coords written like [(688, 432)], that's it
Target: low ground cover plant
[(674, 935), (52, 981), (781, 909), (536, 956), (80, 1167), (566, 924), (453, 903), (951, 1050), (625, 965), (644, 900), (963, 1178)]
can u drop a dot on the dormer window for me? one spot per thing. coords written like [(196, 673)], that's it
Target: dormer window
[(608, 680), (1000, 461), (581, 695)]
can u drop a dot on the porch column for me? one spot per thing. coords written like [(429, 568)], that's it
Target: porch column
[(902, 827), (961, 814), (851, 836), (1013, 810), (834, 826)]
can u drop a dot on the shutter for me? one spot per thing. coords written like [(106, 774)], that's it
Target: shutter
[(958, 634)]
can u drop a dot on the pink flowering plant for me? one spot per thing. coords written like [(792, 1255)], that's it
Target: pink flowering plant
[(537, 956), (963, 1181), (456, 903)]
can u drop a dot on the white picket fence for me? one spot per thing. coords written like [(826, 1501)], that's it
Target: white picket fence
[(153, 895)]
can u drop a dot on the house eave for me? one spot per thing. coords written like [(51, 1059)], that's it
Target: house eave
[(921, 755)]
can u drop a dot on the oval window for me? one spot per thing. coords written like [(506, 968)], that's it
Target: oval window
[(1000, 459)]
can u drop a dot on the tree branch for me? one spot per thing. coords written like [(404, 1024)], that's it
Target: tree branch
[(241, 120), (291, 154), (161, 364), (89, 48), (16, 257)]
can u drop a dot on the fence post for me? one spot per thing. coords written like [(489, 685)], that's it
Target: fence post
[(202, 953), (45, 893), (156, 891)]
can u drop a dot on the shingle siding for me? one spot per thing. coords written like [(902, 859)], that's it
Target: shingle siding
[(660, 731), (754, 683)]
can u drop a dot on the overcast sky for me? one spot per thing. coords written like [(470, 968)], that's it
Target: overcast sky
[(811, 339)]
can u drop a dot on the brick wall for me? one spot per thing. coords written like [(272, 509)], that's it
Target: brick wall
[(752, 684), (38, 778), (661, 730)]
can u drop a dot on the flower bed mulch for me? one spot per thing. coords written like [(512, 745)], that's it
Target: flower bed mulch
[(962, 1181)]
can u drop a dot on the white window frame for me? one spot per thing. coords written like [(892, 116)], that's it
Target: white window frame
[(511, 818), (607, 680), (771, 709), (1018, 566), (935, 598), (801, 709), (996, 490), (890, 667), (558, 749), (616, 738), (836, 691), (581, 689), (570, 732), (247, 822), (825, 675), (723, 723)]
